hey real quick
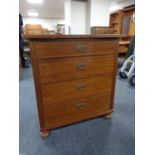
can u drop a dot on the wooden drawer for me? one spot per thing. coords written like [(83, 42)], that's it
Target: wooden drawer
[(74, 48), (72, 111), (52, 70), (67, 90)]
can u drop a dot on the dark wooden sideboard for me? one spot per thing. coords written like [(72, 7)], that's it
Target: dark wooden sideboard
[(74, 77)]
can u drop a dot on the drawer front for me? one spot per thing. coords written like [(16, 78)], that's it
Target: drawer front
[(74, 48), (76, 110), (67, 90), (53, 70)]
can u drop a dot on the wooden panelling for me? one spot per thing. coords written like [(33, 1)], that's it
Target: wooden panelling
[(53, 70)]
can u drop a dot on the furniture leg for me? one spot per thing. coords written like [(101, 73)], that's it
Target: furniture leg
[(44, 133), (109, 115)]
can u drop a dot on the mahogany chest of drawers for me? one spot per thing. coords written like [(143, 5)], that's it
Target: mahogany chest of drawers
[(74, 77)]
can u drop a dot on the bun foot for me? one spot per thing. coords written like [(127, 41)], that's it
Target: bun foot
[(108, 116), (44, 133)]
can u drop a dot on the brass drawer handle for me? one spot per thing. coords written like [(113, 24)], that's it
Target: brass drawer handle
[(80, 48), (80, 66), (80, 106), (80, 86)]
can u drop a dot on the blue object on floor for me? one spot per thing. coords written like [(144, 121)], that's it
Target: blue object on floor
[(98, 136)]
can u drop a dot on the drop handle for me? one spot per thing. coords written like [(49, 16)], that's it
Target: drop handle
[(80, 105), (80, 48), (80, 66), (80, 86)]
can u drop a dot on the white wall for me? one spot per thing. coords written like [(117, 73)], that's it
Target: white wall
[(67, 16), (45, 22), (100, 12), (88, 16), (78, 17), (119, 5)]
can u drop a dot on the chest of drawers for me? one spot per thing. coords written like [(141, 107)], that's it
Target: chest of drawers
[(74, 77)]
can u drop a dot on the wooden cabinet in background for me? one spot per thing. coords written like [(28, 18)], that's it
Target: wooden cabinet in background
[(37, 29), (74, 77), (30, 29), (131, 31), (116, 21), (121, 21), (128, 25), (101, 30)]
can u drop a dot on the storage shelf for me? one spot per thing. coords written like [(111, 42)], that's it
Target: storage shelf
[(120, 23)]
